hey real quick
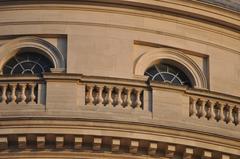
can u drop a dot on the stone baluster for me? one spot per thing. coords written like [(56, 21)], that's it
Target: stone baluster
[(129, 101), (227, 114), (195, 111), (212, 113), (221, 117), (203, 110), (119, 98), (230, 114), (100, 97), (109, 98), (8, 93), (217, 115), (4, 91), (32, 96), (191, 101), (234, 115), (208, 109), (91, 99), (87, 94), (13, 95), (23, 95), (193, 107), (95, 95), (138, 101)]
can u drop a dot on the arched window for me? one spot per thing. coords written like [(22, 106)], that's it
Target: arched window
[(167, 73), (27, 63), (173, 58)]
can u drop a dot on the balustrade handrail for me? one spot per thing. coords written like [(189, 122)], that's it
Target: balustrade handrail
[(214, 96), (136, 82), (115, 81)]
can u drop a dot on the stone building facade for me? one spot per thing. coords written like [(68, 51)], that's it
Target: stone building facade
[(119, 79)]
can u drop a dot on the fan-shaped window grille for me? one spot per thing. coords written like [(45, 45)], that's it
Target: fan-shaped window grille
[(168, 74), (27, 63)]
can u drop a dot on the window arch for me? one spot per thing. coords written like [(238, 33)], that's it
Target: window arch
[(177, 59), (27, 62), (32, 44)]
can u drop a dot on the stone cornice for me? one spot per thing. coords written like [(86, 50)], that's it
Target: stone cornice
[(74, 145), (101, 128), (198, 10)]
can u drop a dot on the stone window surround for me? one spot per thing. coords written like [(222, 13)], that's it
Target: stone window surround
[(196, 75), (37, 44)]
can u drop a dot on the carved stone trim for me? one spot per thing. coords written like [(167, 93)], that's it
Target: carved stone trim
[(106, 144)]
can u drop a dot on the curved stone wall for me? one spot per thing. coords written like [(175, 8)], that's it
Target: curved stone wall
[(97, 103)]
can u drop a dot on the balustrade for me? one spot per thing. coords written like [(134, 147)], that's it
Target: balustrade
[(16, 93), (114, 96), (214, 110)]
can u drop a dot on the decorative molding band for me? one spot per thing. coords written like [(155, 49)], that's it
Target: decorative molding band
[(74, 145), (198, 10)]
